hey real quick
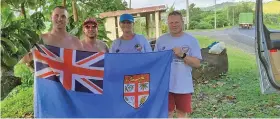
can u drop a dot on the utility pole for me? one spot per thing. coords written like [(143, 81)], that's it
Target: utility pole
[(233, 16), (129, 4), (215, 15), (187, 14), (233, 13), (228, 13)]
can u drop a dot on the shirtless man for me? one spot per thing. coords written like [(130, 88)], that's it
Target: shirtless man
[(90, 41), (58, 36)]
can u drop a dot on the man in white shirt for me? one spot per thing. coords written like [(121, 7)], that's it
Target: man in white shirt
[(187, 55)]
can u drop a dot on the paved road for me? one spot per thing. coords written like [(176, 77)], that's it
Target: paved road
[(237, 37)]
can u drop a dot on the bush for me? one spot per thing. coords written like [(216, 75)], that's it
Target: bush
[(164, 27), (222, 20), (271, 18), (22, 71), (193, 24), (272, 21), (204, 25)]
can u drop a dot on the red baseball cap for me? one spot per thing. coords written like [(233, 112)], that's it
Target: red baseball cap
[(90, 20)]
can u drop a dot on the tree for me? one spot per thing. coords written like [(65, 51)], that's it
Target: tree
[(21, 5), (125, 4), (234, 11), (195, 16), (74, 9), (64, 3), (17, 38), (171, 9), (20, 33)]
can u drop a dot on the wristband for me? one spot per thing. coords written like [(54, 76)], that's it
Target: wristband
[(184, 55)]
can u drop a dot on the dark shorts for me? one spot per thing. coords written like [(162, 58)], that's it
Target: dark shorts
[(182, 102)]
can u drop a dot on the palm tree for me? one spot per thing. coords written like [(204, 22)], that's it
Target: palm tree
[(64, 3), (143, 86), (74, 8)]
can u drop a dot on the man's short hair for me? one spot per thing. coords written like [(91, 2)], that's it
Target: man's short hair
[(60, 7), (175, 13)]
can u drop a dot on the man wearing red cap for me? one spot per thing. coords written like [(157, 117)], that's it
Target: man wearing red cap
[(90, 41)]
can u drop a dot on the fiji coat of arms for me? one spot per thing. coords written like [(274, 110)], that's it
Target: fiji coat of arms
[(136, 89)]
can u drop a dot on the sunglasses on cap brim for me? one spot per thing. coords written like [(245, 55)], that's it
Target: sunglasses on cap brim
[(90, 26)]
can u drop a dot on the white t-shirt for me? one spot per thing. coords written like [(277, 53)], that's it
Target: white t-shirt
[(181, 73)]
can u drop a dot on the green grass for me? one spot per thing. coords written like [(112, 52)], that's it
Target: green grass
[(235, 95), (19, 104), (223, 28), (273, 27)]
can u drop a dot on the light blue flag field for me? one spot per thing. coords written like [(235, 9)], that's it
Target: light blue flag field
[(78, 84)]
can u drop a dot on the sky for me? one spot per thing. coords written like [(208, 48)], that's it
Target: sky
[(179, 4)]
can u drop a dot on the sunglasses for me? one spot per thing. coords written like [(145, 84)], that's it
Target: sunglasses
[(90, 26), (126, 22)]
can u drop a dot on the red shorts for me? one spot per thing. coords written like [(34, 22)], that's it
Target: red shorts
[(182, 102)]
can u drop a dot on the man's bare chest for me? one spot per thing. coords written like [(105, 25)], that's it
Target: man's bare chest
[(97, 47), (60, 42)]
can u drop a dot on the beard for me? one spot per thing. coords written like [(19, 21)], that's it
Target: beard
[(92, 37), (177, 31), (91, 34), (60, 26)]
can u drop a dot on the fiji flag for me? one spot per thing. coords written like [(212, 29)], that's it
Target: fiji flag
[(78, 84)]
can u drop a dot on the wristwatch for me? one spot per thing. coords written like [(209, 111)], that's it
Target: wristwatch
[(184, 55)]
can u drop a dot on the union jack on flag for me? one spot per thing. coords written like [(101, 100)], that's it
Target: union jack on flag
[(76, 70)]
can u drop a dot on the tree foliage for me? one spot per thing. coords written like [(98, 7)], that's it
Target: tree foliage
[(227, 16), (22, 22), (20, 32), (18, 37)]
